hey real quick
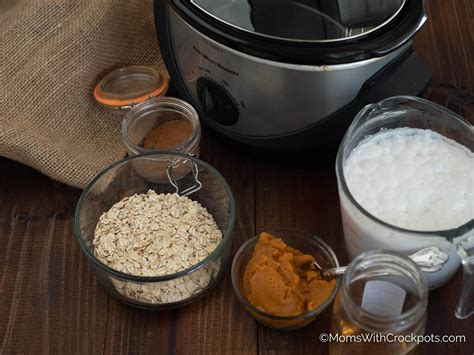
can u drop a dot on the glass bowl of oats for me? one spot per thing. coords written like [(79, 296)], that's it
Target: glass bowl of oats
[(157, 245)]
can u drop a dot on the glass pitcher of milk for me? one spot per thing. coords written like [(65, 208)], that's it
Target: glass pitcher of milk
[(405, 171)]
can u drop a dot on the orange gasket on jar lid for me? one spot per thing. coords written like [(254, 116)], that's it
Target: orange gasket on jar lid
[(102, 97)]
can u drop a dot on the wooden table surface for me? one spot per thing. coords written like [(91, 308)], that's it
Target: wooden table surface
[(50, 301)]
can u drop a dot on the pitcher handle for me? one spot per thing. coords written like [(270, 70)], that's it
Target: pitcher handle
[(465, 247)]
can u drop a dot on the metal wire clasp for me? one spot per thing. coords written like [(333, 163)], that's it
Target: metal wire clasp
[(175, 163)]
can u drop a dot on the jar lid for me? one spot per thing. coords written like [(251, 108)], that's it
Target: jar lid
[(124, 87)]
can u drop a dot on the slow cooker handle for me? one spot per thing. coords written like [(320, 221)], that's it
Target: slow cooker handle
[(400, 41)]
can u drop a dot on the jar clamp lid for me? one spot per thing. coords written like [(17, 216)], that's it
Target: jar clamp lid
[(123, 88)]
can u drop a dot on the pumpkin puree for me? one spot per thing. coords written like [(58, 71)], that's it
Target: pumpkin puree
[(282, 281)]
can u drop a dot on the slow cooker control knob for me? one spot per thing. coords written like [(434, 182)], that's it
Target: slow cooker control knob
[(207, 102), (216, 102)]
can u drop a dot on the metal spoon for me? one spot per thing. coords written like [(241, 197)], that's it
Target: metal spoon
[(429, 259)]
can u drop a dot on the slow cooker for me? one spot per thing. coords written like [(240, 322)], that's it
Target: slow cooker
[(289, 75)]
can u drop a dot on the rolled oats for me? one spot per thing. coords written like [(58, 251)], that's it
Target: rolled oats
[(154, 235)]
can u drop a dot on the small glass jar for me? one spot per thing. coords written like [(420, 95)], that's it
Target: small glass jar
[(383, 297), (150, 114)]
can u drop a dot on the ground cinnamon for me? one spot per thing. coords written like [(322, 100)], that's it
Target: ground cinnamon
[(168, 135)]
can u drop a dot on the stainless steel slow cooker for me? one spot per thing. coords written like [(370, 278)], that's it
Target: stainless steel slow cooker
[(289, 75)]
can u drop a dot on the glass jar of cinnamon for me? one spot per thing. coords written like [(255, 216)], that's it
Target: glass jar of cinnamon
[(162, 124)]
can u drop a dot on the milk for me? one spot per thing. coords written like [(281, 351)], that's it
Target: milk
[(413, 179)]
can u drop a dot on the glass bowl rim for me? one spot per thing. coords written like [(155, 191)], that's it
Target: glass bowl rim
[(132, 115), (446, 233), (308, 235), (226, 238)]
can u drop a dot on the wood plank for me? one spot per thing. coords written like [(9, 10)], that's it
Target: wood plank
[(304, 199), (49, 299), (217, 324), (132, 331), (446, 43)]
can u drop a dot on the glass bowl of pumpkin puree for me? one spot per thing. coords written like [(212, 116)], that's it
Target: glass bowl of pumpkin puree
[(276, 282)]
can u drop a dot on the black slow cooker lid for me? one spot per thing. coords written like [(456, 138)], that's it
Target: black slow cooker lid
[(304, 20), (307, 31)]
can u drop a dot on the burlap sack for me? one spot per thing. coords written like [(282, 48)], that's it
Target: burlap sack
[(52, 54)]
